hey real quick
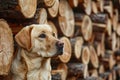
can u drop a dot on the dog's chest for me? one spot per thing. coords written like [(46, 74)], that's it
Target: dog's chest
[(41, 71)]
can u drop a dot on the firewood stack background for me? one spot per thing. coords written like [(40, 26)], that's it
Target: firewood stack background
[(90, 30)]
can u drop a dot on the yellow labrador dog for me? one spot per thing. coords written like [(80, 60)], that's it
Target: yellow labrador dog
[(37, 45)]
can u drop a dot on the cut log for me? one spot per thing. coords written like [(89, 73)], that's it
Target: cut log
[(49, 3), (6, 47), (115, 20), (66, 26), (88, 6), (66, 18), (86, 28), (111, 42), (105, 75), (41, 16), (99, 18), (78, 47), (117, 55), (94, 73), (79, 17), (109, 27), (85, 55), (53, 11), (94, 7), (65, 70), (77, 44), (60, 73), (108, 6), (114, 75), (112, 62), (108, 59), (118, 29), (110, 77), (101, 69), (53, 28), (17, 8), (100, 5), (73, 3), (97, 47), (78, 70), (67, 51), (93, 57)]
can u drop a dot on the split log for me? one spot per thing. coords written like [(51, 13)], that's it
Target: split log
[(86, 28), (66, 18), (73, 3), (77, 44), (17, 8), (93, 57), (60, 73), (67, 51), (53, 11), (85, 55), (6, 47)]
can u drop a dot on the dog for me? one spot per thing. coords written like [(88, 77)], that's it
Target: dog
[(37, 44)]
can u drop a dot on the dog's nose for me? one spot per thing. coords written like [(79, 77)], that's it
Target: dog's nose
[(59, 46)]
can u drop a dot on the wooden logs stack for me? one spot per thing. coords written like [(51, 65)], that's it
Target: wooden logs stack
[(90, 30)]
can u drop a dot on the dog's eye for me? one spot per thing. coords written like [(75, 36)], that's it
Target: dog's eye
[(53, 34), (42, 36)]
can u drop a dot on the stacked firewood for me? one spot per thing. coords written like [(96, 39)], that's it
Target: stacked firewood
[(90, 30)]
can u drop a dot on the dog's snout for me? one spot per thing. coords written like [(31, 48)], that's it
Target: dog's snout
[(59, 46)]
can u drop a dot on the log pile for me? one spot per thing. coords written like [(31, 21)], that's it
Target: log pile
[(90, 30)]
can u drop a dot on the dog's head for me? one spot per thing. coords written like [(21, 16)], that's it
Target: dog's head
[(39, 39)]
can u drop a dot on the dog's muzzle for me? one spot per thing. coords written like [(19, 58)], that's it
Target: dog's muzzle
[(59, 46)]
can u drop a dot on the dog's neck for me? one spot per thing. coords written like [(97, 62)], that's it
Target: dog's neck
[(33, 61)]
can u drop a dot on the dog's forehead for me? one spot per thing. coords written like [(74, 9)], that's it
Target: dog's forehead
[(42, 27)]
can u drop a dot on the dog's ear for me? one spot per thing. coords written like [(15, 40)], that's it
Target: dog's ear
[(23, 38)]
